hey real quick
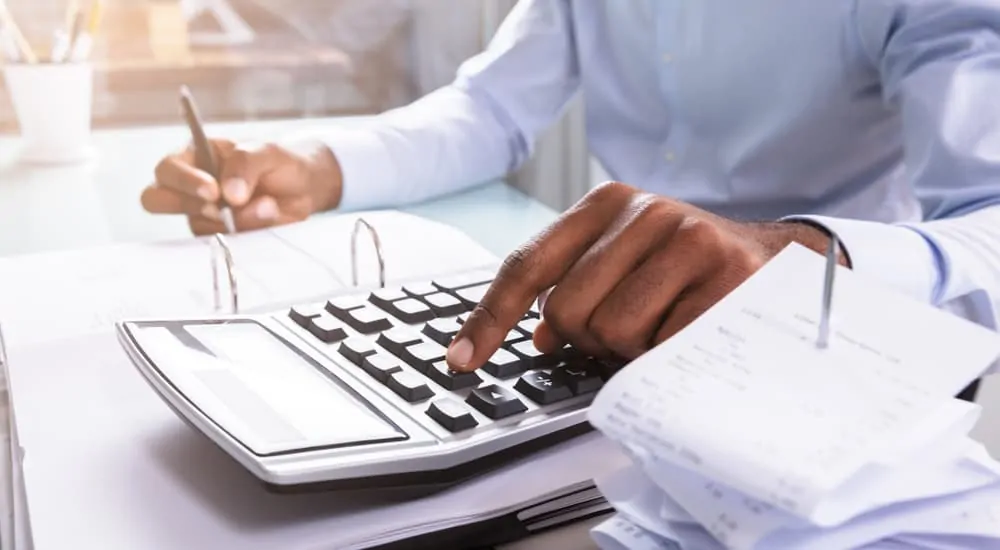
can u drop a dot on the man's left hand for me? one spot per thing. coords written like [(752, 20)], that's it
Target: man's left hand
[(626, 269)]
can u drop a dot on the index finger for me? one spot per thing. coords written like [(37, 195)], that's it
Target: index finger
[(177, 172), (528, 271)]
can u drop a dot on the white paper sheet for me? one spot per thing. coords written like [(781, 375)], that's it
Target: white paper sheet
[(745, 398), (412, 247), (618, 533)]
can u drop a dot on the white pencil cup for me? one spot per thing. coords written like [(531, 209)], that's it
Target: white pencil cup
[(53, 103)]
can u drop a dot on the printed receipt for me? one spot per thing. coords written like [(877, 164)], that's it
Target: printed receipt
[(744, 397)]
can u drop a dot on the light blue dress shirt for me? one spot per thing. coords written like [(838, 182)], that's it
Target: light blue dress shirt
[(878, 118)]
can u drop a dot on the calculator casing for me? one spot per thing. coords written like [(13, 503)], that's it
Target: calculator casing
[(429, 456)]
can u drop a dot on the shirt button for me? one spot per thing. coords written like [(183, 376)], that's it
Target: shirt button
[(667, 58), (669, 156)]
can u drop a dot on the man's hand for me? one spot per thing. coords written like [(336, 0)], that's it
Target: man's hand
[(626, 269), (265, 186)]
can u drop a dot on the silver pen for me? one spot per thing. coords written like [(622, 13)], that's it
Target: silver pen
[(204, 156)]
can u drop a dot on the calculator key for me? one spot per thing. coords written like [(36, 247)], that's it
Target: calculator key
[(441, 331), (385, 296), (533, 312), (302, 314), (444, 305), (410, 386), (580, 379), (472, 295), (504, 364), (533, 358), (397, 338), (462, 317), (514, 336), (543, 387), (463, 280), (421, 356), (327, 329), (410, 311), (451, 415), (419, 289), (342, 304), (366, 320), (529, 325), (451, 380), (381, 367), (495, 401), (355, 349)]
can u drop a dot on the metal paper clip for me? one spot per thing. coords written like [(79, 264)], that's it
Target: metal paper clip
[(221, 247), (823, 338), (378, 252)]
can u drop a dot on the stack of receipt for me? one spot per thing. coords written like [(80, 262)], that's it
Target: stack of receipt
[(745, 434)]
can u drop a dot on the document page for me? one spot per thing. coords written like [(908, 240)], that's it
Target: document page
[(744, 397)]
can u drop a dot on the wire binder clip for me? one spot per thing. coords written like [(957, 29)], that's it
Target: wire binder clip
[(221, 247), (823, 338), (361, 222)]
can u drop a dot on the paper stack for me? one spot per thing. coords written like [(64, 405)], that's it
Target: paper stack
[(744, 434)]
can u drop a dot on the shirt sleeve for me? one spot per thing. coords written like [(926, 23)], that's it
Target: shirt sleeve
[(478, 128), (940, 66)]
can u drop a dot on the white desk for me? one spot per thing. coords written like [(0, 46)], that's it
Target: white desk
[(58, 208)]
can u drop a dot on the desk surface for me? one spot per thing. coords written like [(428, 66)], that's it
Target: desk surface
[(67, 207)]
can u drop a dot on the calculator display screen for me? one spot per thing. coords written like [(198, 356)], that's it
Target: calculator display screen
[(261, 390)]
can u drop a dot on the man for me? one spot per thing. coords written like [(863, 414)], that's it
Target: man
[(743, 127)]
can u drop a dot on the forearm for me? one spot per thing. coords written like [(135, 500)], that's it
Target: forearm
[(446, 141)]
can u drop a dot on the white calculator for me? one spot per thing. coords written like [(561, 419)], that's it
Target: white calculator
[(353, 391)]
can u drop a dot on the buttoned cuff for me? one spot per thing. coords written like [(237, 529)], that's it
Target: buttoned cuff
[(369, 176), (895, 255)]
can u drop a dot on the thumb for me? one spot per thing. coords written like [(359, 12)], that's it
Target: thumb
[(242, 170)]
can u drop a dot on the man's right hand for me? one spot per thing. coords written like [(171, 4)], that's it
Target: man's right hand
[(265, 185)]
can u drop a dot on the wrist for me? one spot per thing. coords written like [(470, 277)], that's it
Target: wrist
[(812, 236)]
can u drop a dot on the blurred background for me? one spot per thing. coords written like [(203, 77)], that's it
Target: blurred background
[(279, 59)]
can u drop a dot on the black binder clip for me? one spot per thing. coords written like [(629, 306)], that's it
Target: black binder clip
[(221, 250), (358, 225), (832, 252)]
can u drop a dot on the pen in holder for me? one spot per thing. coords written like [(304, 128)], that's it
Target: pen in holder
[(53, 104), (222, 256)]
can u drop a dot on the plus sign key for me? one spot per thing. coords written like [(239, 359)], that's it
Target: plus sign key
[(542, 388)]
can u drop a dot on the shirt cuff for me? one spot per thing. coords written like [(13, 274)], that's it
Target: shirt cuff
[(369, 178), (894, 255)]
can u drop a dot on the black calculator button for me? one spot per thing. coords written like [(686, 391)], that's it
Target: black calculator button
[(451, 380), (410, 386), (419, 289), (441, 331), (495, 401), (580, 379), (367, 320), (463, 280), (410, 311), (380, 367), (355, 349), (327, 329), (383, 297), (528, 325), (444, 305), (451, 415), (542, 387), (533, 358), (421, 356), (397, 338), (472, 295), (504, 364), (342, 304), (302, 315)]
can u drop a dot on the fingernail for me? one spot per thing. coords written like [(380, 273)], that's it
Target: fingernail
[(236, 190), (267, 210), (205, 193), (211, 211), (460, 352)]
